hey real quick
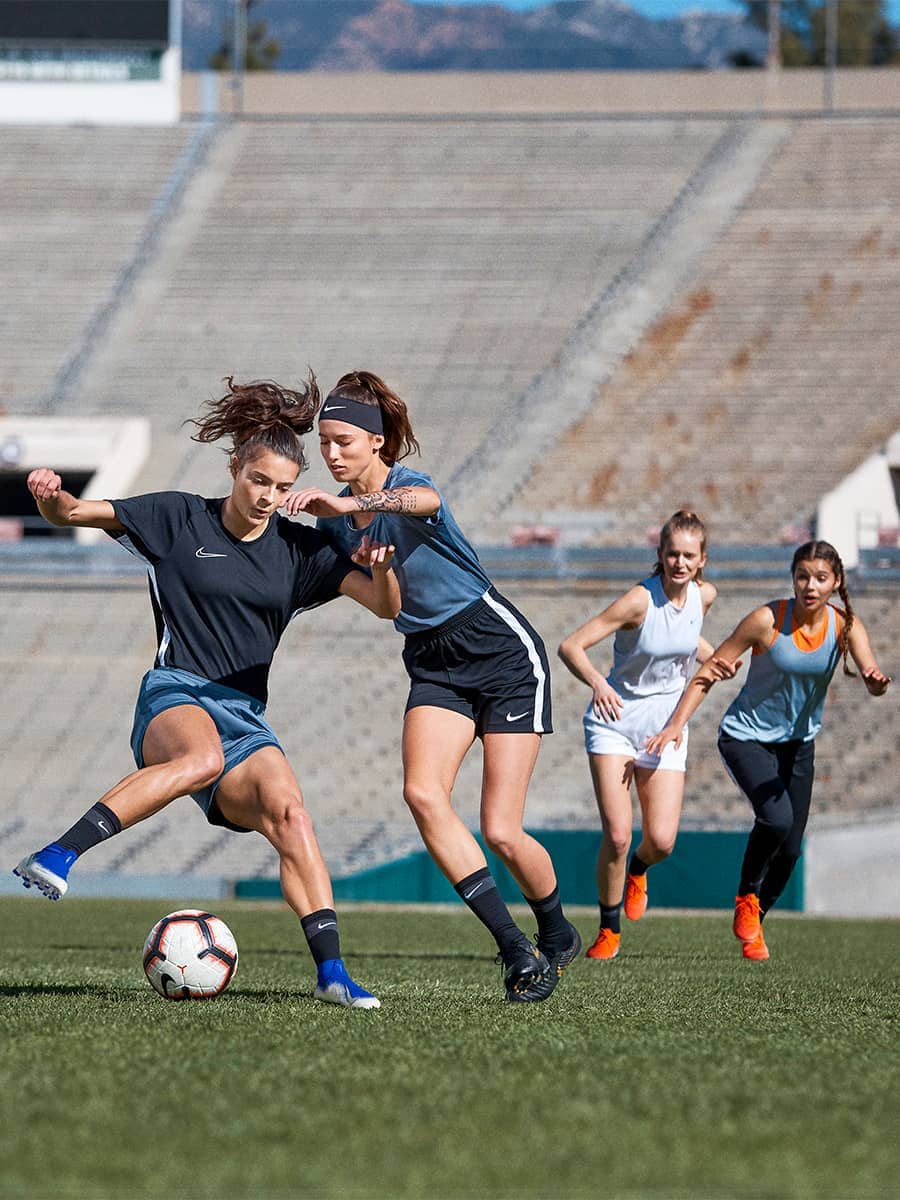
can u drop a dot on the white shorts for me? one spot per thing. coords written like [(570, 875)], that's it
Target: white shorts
[(640, 720)]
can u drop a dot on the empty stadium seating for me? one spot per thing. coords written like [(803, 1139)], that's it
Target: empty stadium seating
[(74, 204), (456, 257), (773, 373)]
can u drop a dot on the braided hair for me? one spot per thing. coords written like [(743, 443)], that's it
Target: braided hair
[(261, 416), (824, 550)]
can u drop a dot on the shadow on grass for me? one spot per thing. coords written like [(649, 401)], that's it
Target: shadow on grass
[(400, 955), (67, 989)]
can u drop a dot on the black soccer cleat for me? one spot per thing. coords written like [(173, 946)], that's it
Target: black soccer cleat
[(559, 957), (528, 977)]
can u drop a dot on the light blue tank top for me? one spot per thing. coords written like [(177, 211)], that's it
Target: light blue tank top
[(783, 697), (437, 570), (658, 657)]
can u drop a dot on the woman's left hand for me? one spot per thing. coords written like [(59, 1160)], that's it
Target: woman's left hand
[(318, 503), (875, 681), (373, 556)]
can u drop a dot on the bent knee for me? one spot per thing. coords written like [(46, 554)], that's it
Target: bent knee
[(285, 819), (203, 768), (660, 847), (425, 802), (617, 842), (502, 839)]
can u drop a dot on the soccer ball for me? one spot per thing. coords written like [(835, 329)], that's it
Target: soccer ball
[(190, 955)]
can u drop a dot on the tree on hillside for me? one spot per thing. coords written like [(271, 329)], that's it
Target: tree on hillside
[(261, 51), (864, 34)]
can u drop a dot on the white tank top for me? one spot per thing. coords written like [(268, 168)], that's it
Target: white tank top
[(658, 658)]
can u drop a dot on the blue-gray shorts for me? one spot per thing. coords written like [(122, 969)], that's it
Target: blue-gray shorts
[(239, 719)]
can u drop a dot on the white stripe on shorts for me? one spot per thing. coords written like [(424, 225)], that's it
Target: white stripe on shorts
[(527, 641)]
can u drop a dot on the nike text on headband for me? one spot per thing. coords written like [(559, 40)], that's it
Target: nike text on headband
[(365, 416)]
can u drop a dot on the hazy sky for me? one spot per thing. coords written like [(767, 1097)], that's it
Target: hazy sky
[(657, 8)]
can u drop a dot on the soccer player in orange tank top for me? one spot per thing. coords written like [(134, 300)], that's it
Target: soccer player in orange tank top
[(767, 736)]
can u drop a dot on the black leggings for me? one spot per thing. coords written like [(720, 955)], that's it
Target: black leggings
[(777, 779)]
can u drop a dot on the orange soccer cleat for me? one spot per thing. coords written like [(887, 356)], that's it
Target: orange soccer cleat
[(746, 917), (606, 946), (635, 896), (757, 949)]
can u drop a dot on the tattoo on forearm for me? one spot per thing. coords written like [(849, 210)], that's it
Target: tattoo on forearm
[(398, 500)]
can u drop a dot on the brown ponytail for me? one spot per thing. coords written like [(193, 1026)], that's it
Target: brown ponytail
[(683, 521), (261, 416), (824, 550), (366, 388)]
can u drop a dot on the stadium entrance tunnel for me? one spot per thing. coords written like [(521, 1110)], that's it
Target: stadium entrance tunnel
[(97, 457)]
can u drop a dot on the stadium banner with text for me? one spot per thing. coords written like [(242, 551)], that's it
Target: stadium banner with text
[(79, 66)]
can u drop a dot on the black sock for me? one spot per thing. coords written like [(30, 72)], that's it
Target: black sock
[(553, 928), (611, 917), (97, 824), (479, 891), (321, 929), (637, 866)]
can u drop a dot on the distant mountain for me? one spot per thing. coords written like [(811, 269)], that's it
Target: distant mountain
[(392, 35)]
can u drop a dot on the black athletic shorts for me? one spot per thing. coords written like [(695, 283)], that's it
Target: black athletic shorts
[(486, 663)]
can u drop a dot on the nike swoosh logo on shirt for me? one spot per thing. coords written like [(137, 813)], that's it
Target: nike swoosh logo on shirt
[(204, 553)]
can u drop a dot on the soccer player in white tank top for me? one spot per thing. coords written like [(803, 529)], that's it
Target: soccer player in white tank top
[(767, 737), (657, 640)]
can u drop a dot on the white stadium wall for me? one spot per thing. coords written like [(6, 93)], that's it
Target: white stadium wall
[(94, 94), (854, 514), (97, 62)]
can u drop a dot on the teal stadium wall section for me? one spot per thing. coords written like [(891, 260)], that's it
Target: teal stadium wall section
[(701, 873)]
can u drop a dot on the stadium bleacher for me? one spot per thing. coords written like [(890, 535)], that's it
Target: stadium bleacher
[(772, 375), (74, 204), (456, 258)]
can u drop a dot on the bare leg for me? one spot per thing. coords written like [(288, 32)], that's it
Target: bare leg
[(182, 754), (611, 775), (262, 793), (660, 793), (509, 760), (435, 742)]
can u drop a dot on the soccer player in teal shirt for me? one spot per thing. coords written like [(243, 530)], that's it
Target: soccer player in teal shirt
[(477, 670)]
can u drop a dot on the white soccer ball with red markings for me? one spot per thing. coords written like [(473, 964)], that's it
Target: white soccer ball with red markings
[(190, 955)]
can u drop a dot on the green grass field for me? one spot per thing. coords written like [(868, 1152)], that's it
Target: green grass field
[(678, 1070)]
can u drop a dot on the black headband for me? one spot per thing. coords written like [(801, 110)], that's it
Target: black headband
[(352, 412)]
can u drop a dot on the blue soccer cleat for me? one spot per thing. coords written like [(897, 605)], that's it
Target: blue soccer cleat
[(335, 986), (47, 870)]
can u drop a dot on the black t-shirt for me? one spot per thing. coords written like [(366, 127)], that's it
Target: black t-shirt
[(220, 604)]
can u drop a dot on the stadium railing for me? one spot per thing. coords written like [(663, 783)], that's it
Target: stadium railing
[(57, 554)]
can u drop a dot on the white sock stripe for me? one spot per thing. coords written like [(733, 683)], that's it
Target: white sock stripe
[(537, 666)]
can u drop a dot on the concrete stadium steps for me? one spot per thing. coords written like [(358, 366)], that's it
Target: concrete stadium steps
[(338, 693), (451, 256), (774, 372), (73, 204)]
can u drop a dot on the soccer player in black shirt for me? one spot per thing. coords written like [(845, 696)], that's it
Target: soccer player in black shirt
[(226, 577)]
